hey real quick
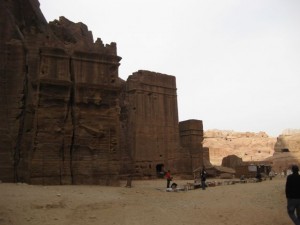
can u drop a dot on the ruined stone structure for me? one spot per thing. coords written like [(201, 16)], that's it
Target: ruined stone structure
[(152, 121), (232, 161), (153, 138), (66, 116), (191, 137)]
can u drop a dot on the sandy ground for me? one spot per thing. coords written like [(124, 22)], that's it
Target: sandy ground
[(146, 203)]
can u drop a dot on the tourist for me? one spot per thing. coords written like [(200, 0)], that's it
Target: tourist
[(292, 191), (169, 178), (271, 174), (203, 175), (242, 177), (258, 176)]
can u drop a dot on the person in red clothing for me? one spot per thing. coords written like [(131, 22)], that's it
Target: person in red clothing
[(292, 191), (169, 178)]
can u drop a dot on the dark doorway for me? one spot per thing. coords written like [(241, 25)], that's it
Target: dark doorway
[(160, 170)]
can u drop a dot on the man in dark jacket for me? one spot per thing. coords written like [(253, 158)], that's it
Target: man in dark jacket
[(203, 178), (292, 191)]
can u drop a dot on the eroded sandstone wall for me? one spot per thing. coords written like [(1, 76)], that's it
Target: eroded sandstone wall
[(59, 100), (67, 118), (289, 141), (152, 121), (191, 139), (287, 150), (18, 19), (12, 97)]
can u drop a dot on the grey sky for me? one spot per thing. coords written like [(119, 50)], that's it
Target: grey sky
[(236, 62)]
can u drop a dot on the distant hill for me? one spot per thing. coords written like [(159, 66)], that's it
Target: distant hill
[(281, 151), (247, 145)]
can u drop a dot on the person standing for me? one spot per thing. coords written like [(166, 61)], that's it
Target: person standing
[(271, 174), (203, 175), (169, 178), (292, 191)]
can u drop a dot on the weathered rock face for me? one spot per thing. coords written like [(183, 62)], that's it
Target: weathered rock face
[(153, 137), (288, 142), (60, 117), (191, 139), (247, 146), (67, 118), (287, 150), (152, 121)]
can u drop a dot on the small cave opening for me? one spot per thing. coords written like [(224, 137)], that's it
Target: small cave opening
[(285, 150)]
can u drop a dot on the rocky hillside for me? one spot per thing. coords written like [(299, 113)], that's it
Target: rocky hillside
[(287, 150), (288, 141), (246, 145)]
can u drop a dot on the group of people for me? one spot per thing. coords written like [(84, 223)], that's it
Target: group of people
[(292, 191), (203, 175)]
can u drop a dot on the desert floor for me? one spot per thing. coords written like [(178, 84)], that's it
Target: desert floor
[(146, 203)]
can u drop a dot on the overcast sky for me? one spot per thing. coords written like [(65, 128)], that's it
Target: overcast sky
[(236, 62)]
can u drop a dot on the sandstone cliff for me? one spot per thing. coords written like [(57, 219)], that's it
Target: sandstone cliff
[(67, 118), (287, 150), (288, 141), (246, 145), (58, 96)]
